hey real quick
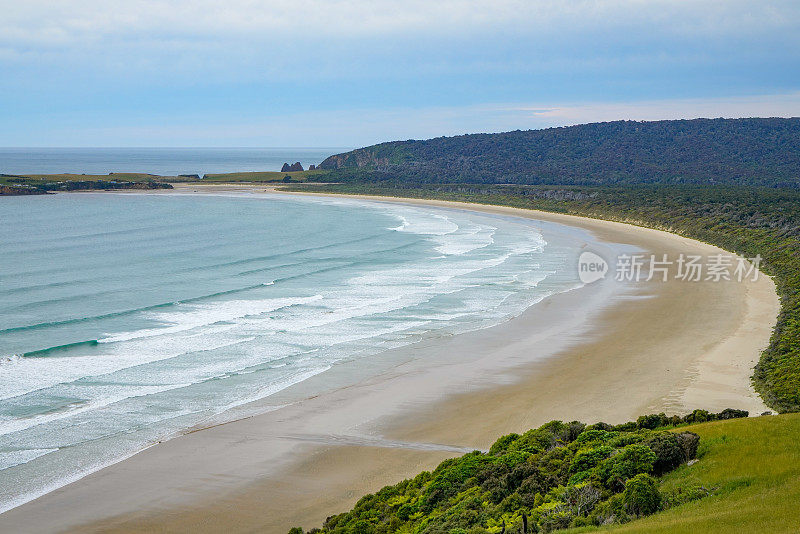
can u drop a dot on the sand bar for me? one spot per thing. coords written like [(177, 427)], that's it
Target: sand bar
[(668, 346)]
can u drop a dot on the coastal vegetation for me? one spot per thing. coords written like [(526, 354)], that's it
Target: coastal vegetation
[(700, 473), (40, 184), (758, 151)]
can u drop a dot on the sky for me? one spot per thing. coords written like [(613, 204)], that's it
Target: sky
[(339, 73)]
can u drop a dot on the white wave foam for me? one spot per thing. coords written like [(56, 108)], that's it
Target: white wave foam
[(19, 457), (17, 425), (422, 222), (271, 389), (34, 374), (8, 360), (466, 240), (403, 224), (192, 316)]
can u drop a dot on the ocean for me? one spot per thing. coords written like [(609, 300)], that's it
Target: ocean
[(163, 161), (127, 318)]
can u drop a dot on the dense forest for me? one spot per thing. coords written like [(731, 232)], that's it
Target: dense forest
[(744, 220), (758, 151)]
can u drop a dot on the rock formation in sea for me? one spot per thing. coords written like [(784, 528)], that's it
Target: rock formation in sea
[(296, 166)]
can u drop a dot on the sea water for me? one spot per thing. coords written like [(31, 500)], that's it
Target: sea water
[(162, 161), (126, 318)]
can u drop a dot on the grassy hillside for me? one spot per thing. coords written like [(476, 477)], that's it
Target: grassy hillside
[(744, 477), (702, 151), (752, 467)]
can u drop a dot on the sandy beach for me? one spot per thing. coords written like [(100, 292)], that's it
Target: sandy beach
[(588, 355)]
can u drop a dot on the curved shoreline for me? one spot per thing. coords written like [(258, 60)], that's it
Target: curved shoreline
[(685, 347)]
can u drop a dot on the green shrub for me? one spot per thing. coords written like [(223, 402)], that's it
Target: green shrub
[(610, 511), (553, 516), (668, 450), (502, 444), (683, 494), (407, 510), (600, 426), (730, 413), (641, 496), (631, 461), (652, 421), (627, 438), (699, 416), (536, 440), (593, 435), (689, 442), (586, 459)]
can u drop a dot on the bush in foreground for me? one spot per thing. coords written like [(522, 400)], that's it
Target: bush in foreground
[(557, 476)]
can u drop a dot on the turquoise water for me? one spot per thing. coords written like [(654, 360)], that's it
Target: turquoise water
[(125, 318)]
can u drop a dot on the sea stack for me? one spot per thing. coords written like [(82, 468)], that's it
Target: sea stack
[(296, 166)]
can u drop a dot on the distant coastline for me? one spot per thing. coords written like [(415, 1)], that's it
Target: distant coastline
[(40, 184), (11, 185)]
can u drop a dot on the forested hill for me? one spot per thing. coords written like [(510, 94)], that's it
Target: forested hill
[(758, 151)]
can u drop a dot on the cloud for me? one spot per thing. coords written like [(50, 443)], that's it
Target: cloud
[(98, 43), (781, 105), (110, 64), (64, 24), (367, 126), (176, 41)]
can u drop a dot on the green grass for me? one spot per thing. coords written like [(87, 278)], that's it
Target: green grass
[(268, 176), (752, 467)]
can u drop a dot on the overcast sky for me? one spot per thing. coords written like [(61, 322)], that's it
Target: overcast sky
[(353, 72)]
